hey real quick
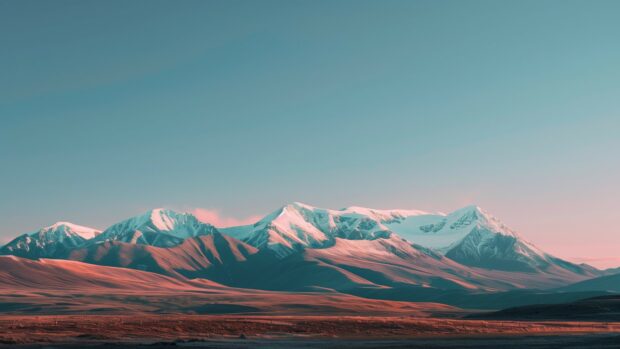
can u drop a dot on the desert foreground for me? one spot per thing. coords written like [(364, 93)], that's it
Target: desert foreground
[(227, 331)]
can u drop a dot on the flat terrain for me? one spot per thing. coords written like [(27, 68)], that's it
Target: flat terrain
[(588, 341), (606, 308), (237, 331)]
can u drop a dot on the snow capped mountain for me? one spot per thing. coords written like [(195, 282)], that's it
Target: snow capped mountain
[(473, 237), (49, 241), (442, 231), (158, 227), (470, 235), (297, 225), (309, 247), (72, 229)]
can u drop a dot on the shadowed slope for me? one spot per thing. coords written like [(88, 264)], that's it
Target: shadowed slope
[(396, 264), (47, 274), (604, 283), (70, 287), (347, 265), (216, 257)]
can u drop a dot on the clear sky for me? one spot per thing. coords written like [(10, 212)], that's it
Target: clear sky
[(110, 108)]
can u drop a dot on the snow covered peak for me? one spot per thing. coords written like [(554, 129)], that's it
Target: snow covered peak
[(377, 214), (49, 241), (471, 213), (163, 219), (300, 205), (476, 215), (84, 232), (383, 215), (299, 225), (158, 218), (474, 237), (294, 208), (442, 231), (473, 210), (470, 207), (470, 235), (158, 227)]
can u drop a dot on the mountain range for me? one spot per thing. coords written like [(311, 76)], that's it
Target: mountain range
[(388, 254)]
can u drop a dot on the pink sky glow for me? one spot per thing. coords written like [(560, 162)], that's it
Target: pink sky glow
[(215, 217)]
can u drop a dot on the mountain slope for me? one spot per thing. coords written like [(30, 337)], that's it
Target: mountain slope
[(69, 287), (603, 283), (216, 257), (346, 265), (394, 263), (379, 263), (51, 241), (48, 274), (158, 227)]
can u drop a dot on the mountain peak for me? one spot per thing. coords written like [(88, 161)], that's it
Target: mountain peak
[(163, 219), (298, 205), (158, 227), (159, 218), (444, 231), (49, 241), (82, 231), (295, 209), (481, 217), (472, 208), (60, 224)]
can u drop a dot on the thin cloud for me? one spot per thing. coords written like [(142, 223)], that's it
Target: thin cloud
[(219, 220)]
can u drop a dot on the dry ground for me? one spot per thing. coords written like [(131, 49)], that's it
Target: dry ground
[(93, 329)]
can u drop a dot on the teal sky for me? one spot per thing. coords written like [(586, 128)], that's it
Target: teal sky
[(110, 108)]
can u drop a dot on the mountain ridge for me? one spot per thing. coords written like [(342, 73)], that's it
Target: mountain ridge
[(336, 249), (157, 227), (48, 241)]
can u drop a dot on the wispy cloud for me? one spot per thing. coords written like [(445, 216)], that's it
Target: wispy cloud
[(215, 217)]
